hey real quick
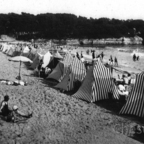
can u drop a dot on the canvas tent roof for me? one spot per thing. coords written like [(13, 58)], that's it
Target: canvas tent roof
[(68, 59), (96, 85), (57, 55), (135, 101), (53, 62), (76, 71), (46, 59), (35, 61), (61, 68)]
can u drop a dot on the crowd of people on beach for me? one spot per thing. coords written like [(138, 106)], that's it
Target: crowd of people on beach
[(113, 62), (124, 84)]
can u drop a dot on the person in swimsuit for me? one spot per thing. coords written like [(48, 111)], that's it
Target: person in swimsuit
[(4, 109)]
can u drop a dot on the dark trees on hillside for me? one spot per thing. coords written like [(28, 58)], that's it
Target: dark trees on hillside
[(62, 26)]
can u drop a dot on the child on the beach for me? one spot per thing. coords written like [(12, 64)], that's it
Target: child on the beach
[(4, 108)]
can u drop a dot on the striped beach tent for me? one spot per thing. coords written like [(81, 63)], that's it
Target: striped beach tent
[(68, 59), (135, 101), (76, 72), (115, 92), (96, 85), (61, 69)]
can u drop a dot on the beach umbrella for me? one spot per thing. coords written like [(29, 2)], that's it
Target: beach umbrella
[(20, 59)]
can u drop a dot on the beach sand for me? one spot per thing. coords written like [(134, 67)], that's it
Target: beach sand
[(58, 118)]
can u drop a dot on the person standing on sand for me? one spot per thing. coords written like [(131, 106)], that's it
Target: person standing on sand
[(102, 55), (40, 67), (81, 54), (116, 62), (93, 55), (111, 60), (137, 58), (77, 55), (134, 57)]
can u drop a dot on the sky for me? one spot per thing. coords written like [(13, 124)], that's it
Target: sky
[(118, 9)]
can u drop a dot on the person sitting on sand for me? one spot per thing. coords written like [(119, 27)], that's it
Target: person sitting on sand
[(47, 71), (123, 79), (4, 108), (15, 83), (82, 58), (20, 83), (111, 60), (122, 90), (127, 80), (116, 62), (120, 80), (16, 114)]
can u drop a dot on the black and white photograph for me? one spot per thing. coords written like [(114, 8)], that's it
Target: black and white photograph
[(71, 71)]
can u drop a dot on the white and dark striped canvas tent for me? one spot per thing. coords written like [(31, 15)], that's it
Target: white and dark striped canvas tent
[(96, 85), (61, 69), (76, 72), (115, 92), (135, 101), (68, 59)]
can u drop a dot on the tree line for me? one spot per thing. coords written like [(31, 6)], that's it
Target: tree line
[(26, 26)]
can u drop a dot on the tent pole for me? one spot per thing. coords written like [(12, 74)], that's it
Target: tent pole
[(19, 71)]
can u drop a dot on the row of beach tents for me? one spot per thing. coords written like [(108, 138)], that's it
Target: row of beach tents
[(96, 82)]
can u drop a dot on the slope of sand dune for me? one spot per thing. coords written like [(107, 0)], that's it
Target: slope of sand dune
[(57, 118)]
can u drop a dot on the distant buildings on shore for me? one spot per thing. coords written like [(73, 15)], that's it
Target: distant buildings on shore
[(108, 41), (123, 40)]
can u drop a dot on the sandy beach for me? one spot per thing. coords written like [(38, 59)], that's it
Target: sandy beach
[(59, 118), (125, 59)]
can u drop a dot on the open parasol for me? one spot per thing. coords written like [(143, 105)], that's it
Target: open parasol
[(20, 59)]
